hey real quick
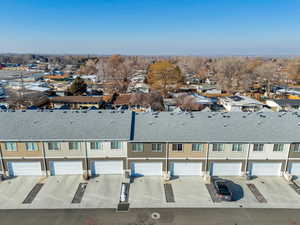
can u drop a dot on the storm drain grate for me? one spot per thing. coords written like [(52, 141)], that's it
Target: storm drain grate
[(169, 193), (123, 207), (260, 198), (213, 194), (79, 193), (295, 187), (33, 193)]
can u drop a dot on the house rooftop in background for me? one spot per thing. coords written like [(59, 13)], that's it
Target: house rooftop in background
[(64, 125), (76, 99), (217, 127), (240, 103), (283, 104)]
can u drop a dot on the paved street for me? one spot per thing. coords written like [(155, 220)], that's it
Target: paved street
[(143, 217)]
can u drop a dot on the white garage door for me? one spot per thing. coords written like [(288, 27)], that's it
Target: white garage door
[(66, 167), (295, 168), (146, 169), (186, 168), (107, 167), (24, 168), (265, 169), (226, 169)]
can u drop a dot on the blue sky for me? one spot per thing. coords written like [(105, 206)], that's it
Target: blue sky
[(145, 27)]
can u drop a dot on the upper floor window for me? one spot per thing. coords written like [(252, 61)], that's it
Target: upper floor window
[(115, 145), (137, 147), (278, 148), (11, 146), (177, 147), (218, 147), (53, 146), (74, 145), (96, 145), (31, 146), (295, 147), (197, 147), (156, 147), (258, 147), (237, 147)]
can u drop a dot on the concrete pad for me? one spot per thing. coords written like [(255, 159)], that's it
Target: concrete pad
[(147, 192), (190, 190), (13, 191), (57, 192), (102, 192), (277, 191)]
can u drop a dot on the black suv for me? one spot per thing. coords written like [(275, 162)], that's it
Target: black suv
[(223, 189)]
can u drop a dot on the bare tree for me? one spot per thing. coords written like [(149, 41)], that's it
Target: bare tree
[(229, 72), (267, 74)]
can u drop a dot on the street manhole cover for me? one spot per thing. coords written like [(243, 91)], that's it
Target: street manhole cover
[(155, 216)]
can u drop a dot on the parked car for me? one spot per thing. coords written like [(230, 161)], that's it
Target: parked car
[(223, 189)]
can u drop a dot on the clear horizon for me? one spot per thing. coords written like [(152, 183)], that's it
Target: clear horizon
[(186, 27)]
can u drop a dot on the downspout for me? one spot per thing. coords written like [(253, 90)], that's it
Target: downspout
[(287, 159), (2, 160), (167, 157), (206, 161), (44, 159), (247, 159), (86, 161)]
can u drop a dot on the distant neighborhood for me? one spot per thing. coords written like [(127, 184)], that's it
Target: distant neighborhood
[(145, 83)]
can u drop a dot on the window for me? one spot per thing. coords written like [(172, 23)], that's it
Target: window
[(218, 148), (258, 147), (278, 148), (295, 147), (116, 145), (11, 146), (177, 147), (137, 147), (96, 145), (53, 146), (197, 147), (31, 146), (74, 145), (156, 147), (237, 147)]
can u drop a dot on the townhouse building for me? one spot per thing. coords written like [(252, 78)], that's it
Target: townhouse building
[(149, 144), (64, 142)]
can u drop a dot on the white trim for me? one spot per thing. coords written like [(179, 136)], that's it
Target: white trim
[(146, 158), (226, 158), (294, 159), (103, 157), (23, 157), (187, 159), (65, 157)]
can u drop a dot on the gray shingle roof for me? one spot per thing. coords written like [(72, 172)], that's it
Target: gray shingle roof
[(218, 127), (151, 127), (57, 125)]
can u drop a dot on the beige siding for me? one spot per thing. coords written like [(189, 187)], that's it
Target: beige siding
[(21, 151), (64, 151), (268, 153), (107, 151), (187, 151), (147, 151), (228, 153)]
